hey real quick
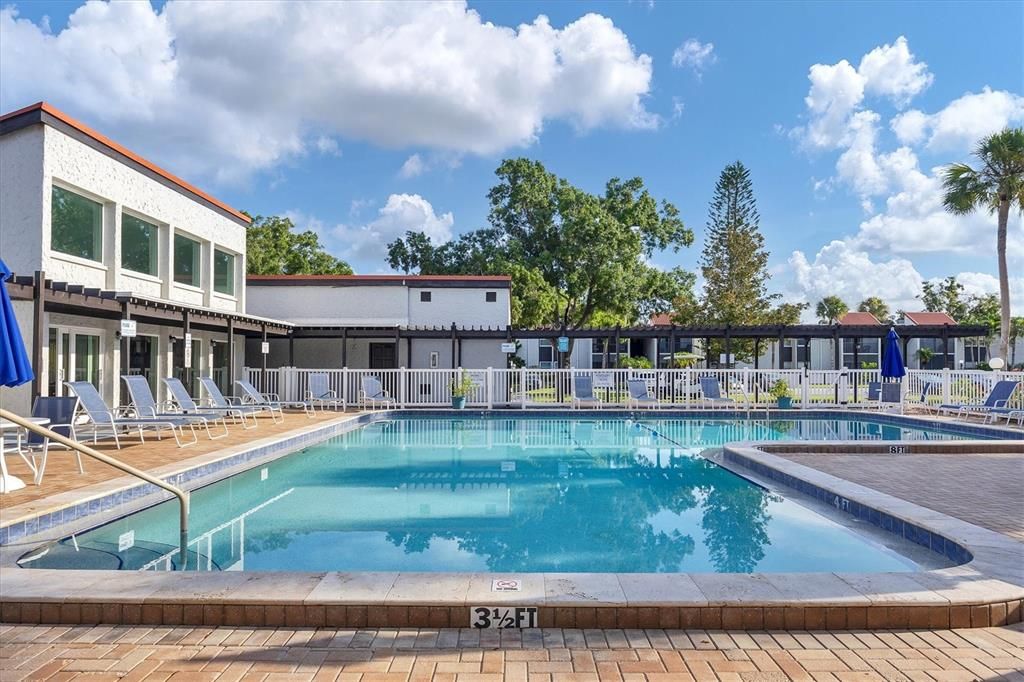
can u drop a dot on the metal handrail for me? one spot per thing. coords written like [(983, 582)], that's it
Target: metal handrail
[(182, 495)]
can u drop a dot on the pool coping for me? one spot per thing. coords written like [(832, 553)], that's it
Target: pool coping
[(987, 590)]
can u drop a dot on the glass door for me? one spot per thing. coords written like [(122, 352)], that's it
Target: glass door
[(220, 366), (142, 353), (73, 356)]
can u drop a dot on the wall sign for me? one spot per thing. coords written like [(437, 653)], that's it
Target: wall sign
[(508, 348), (188, 351), (128, 328), (265, 347), (563, 344)]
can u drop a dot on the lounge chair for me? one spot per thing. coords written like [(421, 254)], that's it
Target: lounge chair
[(216, 400), (922, 400), (639, 395), (33, 448), (372, 393), (711, 392), (145, 405), (103, 420), (251, 396), (320, 392), (583, 391), (998, 397), (181, 398)]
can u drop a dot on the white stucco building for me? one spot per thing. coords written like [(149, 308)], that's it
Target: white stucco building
[(92, 218), (382, 321)]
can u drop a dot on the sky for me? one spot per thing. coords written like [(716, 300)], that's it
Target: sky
[(362, 121)]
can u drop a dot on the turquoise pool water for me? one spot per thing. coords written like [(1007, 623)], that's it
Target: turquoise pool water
[(502, 494)]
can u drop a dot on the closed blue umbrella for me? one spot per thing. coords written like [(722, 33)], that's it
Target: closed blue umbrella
[(892, 360), (15, 366)]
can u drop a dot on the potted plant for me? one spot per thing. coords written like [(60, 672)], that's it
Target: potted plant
[(780, 391), (461, 386)]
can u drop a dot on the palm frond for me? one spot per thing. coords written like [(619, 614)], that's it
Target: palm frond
[(964, 189)]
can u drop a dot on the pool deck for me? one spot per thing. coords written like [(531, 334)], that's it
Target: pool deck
[(103, 653), (987, 591)]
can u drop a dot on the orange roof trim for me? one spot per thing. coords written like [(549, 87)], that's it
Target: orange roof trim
[(107, 142)]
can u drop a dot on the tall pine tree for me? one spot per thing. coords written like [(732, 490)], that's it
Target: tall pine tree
[(735, 262)]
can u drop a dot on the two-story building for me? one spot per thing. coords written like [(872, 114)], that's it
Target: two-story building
[(104, 235), (381, 321)]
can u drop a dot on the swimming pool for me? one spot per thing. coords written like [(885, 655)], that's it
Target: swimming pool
[(503, 494)]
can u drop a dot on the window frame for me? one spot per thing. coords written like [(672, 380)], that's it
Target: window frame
[(490, 297), (98, 257), (426, 297), (197, 282), (232, 260), (155, 241)]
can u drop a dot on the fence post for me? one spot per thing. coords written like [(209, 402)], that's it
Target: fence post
[(805, 389), (402, 385), (490, 389), (344, 386), (946, 387), (522, 387)]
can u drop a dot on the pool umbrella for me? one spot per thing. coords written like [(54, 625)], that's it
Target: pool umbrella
[(15, 366), (892, 361)]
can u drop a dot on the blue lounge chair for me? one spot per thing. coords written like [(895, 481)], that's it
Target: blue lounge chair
[(145, 405), (320, 392), (372, 393), (583, 391), (711, 392), (216, 400), (251, 396), (921, 401), (997, 398), (103, 420), (188, 406), (640, 395)]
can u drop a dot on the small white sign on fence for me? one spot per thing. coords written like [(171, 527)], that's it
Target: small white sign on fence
[(604, 379), (265, 347), (508, 348), (128, 328)]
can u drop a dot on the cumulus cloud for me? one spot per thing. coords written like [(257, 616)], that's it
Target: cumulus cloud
[(892, 71), (412, 167), (694, 55), (227, 88), (962, 122), (364, 244)]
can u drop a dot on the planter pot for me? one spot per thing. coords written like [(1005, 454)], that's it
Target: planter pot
[(785, 403), (459, 402)]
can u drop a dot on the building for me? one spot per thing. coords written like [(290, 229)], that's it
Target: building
[(109, 235), (381, 321)]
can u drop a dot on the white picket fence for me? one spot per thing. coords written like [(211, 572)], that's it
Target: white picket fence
[(680, 388)]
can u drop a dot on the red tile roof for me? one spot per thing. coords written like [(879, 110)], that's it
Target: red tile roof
[(661, 320), (856, 317), (929, 318), (110, 144)]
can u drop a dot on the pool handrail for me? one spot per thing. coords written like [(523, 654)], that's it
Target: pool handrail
[(183, 497)]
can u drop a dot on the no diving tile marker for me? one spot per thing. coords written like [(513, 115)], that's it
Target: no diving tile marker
[(506, 585)]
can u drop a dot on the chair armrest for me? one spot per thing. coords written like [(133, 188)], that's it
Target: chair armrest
[(273, 397)]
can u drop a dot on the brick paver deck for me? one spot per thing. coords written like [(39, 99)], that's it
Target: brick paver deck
[(194, 655), (983, 489)]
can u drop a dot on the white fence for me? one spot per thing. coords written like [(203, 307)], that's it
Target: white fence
[(675, 387)]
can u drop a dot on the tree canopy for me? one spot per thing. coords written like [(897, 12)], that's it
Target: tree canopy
[(571, 254), (875, 306), (273, 247), (945, 297), (831, 309)]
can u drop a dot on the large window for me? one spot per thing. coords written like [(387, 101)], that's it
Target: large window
[(868, 353), (76, 225), (187, 260), (223, 272), (138, 244)]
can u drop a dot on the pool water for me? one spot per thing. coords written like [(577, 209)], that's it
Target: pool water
[(501, 494)]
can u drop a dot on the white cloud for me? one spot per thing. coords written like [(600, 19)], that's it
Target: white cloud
[(226, 88), (328, 145), (412, 167), (365, 246), (982, 283), (678, 106), (694, 55), (963, 122), (892, 71)]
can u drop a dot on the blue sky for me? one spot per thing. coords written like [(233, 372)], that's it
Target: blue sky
[(362, 121)]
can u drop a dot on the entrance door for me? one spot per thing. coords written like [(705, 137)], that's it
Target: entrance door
[(382, 356), (142, 359), (73, 356), (220, 366)]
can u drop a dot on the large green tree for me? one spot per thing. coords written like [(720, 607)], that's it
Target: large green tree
[(831, 309), (571, 254), (998, 186), (875, 306), (274, 247), (945, 297)]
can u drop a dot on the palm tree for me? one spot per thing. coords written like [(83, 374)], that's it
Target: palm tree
[(997, 186), (831, 309)]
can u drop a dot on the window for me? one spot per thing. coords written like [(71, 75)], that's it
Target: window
[(186, 260), (223, 272), (545, 354), (76, 225), (138, 244), (424, 297), (491, 296)]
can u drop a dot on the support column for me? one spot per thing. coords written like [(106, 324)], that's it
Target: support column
[(38, 330), (617, 342), (398, 347), (231, 355), (782, 345), (836, 357), (672, 347), (126, 344), (186, 353), (945, 348), (263, 358), (454, 341), (344, 346), (728, 345), (807, 347)]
